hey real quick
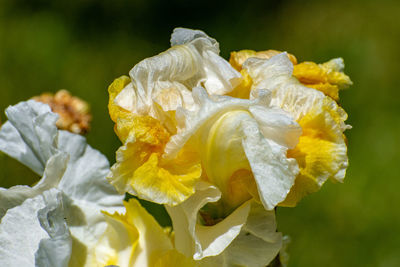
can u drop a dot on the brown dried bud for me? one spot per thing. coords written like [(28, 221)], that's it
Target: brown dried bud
[(74, 112)]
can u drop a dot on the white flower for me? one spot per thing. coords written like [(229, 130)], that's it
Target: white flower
[(68, 165)]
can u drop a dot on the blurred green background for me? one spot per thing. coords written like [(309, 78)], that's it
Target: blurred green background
[(83, 45)]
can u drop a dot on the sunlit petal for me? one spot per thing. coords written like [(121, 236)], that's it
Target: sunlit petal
[(321, 151)]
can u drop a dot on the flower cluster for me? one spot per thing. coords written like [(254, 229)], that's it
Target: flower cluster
[(219, 143), (74, 112)]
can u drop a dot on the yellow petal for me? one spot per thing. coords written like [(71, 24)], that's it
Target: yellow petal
[(244, 87), (238, 58), (176, 259), (327, 77), (320, 153), (223, 155), (113, 90), (138, 170), (155, 183), (131, 239)]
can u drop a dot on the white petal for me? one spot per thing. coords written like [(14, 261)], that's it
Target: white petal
[(21, 232), (53, 173), (288, 93), (265, 151), (55, 250), (85, 177), (261, 70), (273, 171), (257, 244), (277, 125), (29, 134), (127, 98), (221, 78), (209, 107), (82, 178), (182, 36), (198, 241), (163, 83), (86, 168), (87, 190)]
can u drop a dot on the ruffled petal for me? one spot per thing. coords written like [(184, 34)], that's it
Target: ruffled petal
[(238, 58), (29, 135), (166, 88), (113, 90), (274, 173), (139, 171), (71, 166), (53, 173), (152, 182), (257, 244), (23, 232), (69, 162), (321, 151), (227, 134), (196, 240), (55, 250), (328, 77), (85, 177), (131, 239), (163, 83)]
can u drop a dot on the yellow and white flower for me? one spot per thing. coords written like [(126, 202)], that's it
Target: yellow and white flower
[(186, 145), (207, 138), (238, 145), (322, 151)]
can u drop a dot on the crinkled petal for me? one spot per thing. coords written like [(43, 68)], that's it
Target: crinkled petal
[(221, 78), (53, 173), (277, 125), (273, 172), (238, 58), (257, 244), (182, 36), (163, 83), (209, 110), (321, 151), (158, 184), (85, 177), (328, 77), (55, 250), (228, 135), (21, 231), (139, 171), (196, 240), (82, 171), (87, 193)]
